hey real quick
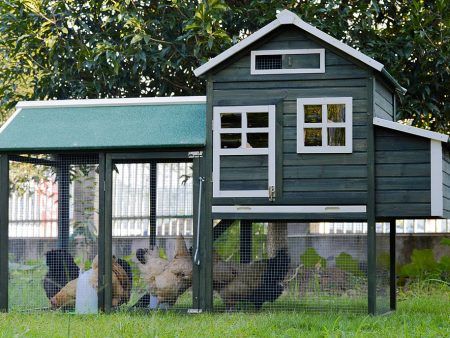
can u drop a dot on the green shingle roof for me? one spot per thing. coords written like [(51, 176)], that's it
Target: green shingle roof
[(105, 127)]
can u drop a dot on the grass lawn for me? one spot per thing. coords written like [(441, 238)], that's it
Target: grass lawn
[(424, 313)]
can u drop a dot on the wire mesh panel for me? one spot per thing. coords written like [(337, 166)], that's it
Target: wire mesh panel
[(279, 266), (152, 233), (53, 229), (382, 268)]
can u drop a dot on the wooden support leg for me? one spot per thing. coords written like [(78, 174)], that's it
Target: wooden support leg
[(4, 201), (393, 275)]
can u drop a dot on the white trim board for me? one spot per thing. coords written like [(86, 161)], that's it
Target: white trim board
[(410, 130), (437, 193), (138, 101), (289, 209), (286, 17)]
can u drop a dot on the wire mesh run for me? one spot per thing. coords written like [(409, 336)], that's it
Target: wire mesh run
[(279, 266), (383, 263), (53, 229), (152, 232)]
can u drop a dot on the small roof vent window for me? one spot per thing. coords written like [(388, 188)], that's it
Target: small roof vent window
[(288, 61)]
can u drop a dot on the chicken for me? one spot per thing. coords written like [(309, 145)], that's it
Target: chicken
[(61, 270), (121, 286), (257, 282), (168, 280)]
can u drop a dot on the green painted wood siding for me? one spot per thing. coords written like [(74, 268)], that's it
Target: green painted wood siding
[(446, 179), (243, 172), (384, 102), (402, 174), (306, 179)]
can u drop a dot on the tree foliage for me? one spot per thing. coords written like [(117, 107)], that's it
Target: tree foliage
[(123, 48)]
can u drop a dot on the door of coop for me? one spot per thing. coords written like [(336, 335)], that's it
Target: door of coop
[(279, 265), (152, 235), (53, 230)]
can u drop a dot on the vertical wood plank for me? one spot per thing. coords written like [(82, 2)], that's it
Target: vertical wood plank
[(101, 231), (371, 212), (107, 279), (393, 254), (153, 186), (4, 201)]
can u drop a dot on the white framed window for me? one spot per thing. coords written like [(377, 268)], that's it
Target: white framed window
[(324, 125), (240, 131), (288, 61)]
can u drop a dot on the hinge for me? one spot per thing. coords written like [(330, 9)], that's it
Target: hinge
[(195, 154), (212, 124), (271, 193)]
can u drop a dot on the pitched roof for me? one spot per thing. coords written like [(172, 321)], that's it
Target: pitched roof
[(286, 17), (106, 124)]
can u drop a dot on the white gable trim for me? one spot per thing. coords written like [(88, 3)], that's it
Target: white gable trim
[(138, 101), (287, 18), (432, 135), (437, 199)]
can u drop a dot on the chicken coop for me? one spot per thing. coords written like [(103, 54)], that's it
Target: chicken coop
[(215, 203)]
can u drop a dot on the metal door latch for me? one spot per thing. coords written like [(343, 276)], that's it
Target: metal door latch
[(271, 193)]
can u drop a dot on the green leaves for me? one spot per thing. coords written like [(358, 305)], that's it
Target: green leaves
[(111, 48)]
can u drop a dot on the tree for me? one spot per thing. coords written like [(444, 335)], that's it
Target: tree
[(119, 48)]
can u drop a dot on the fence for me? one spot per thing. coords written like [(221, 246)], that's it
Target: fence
[(33, 207)]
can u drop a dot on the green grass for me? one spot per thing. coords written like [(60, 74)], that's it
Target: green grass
[(422, 312)]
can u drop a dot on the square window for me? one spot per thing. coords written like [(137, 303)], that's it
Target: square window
[(228, 141), (257, 140), (231, 120), (336, 112), (336, 137), (324, 125), (313, 137), (313, 113), (257, 120)]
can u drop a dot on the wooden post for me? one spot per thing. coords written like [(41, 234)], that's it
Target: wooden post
[(63, 177), (371, 203), (153, 186), (107, 279), (393, 275), (246, 241), (4, 202), (101, 231), (196, 277)]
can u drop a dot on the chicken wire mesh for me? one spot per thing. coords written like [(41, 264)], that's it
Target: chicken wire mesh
[(53, 227), (152, 234), (280, 266), (383, 257)]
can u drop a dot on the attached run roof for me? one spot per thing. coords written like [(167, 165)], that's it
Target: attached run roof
[(432, 135), (106, 124), (286, 17)]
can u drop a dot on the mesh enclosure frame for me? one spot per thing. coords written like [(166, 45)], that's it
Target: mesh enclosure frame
[(73, 222), (201, 287)]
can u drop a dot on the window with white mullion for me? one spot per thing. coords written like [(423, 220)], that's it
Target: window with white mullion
[(324, 125)]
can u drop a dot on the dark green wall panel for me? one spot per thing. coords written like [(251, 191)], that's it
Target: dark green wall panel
[(403, 185)]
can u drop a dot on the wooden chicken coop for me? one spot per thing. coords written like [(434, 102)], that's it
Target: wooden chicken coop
[(296, 127)]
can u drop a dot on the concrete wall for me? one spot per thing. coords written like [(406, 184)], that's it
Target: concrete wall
[(327, 246)]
